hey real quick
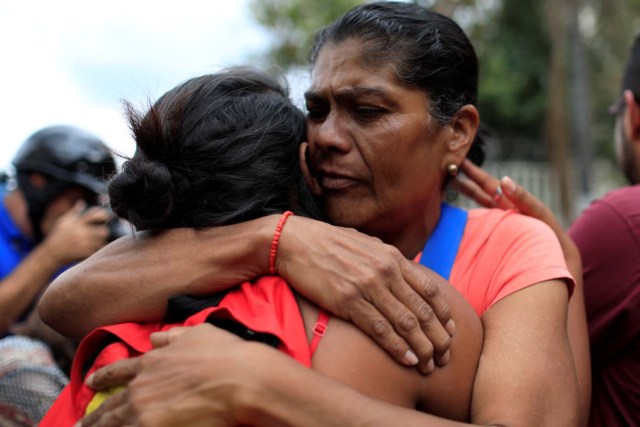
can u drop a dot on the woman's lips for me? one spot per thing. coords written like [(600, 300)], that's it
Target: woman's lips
[(337, 183), (332, 181)]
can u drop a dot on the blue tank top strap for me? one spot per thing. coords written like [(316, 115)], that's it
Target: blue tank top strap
[(441, 249)]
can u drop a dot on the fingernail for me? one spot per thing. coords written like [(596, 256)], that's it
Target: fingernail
[(450, 327), (89, 380), (410, 358), (508, 185), (498, 194), (444, 359), (430, 367)]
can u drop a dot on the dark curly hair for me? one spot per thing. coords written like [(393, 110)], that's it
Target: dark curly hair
[(218, 149)]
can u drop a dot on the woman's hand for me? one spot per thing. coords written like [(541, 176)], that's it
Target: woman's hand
[(161, 385), (490, 192), (362, 280)]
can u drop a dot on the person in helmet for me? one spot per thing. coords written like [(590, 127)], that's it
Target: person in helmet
[(47, 222)]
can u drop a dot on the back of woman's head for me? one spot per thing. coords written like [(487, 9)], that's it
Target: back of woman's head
[(427, 50), (217, 149)]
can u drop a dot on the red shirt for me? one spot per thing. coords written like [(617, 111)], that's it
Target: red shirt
[(266, 305), (608, 237)]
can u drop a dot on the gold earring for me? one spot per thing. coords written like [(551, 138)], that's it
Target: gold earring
[(452, 169)]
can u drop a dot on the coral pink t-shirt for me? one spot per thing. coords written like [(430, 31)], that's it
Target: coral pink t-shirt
[(502, 252)]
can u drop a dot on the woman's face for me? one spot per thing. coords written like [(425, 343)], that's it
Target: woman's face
[(376, 155)]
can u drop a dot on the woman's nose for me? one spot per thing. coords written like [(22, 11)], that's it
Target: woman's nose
[(331, 134)]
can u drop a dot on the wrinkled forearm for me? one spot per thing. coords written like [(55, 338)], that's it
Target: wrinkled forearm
[(131, 279), (285, 394)]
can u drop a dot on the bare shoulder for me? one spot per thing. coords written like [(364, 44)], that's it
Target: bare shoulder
[(349, 356)]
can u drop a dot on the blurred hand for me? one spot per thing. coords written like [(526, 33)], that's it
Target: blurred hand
[(490, 192), (190, 379), (371, 284), (77, 234)]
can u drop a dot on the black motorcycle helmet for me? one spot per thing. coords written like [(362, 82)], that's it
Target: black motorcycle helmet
[(68, 156)]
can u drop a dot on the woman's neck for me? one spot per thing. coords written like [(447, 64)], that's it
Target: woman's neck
[(411, 234)]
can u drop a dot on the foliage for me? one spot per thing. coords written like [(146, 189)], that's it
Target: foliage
[(514, 58), (293, 24)]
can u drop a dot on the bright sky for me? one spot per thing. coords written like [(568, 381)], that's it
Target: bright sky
[(72, 61)]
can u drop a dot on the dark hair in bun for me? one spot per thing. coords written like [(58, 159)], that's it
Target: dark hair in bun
[(217, 149)]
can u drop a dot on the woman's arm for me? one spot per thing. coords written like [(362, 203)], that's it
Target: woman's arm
[(525, 378), (481, 187), (240, 383), (131, 279), (372, 284), (527, 374)]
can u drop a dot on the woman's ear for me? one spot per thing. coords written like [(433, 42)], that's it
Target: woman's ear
[(312, 183), (631, 116), (464, 128)]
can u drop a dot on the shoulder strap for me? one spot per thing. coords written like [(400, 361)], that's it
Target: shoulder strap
[(319, 330), (442, 247)]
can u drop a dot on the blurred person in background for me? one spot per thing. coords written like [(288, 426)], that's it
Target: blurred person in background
[(47, 222), (607, 234), (605, 238)]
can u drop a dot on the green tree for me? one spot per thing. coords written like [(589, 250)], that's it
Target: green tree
[(513, 50), (293, 24)]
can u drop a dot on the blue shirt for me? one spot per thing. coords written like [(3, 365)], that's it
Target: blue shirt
[(14, 246)]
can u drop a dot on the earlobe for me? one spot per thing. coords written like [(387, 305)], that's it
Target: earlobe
[(312, 183)]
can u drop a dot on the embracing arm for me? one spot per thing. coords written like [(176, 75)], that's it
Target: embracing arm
[(241, 383), (525, 378), (131, 279), (372, 284)]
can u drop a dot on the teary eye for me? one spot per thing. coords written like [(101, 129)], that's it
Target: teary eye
[(315, 112), (369, 112)]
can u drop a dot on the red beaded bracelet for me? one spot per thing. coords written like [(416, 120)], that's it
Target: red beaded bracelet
[(276, 239)]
